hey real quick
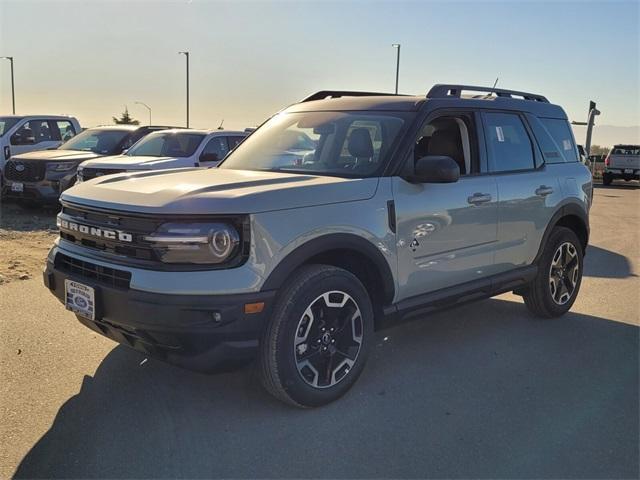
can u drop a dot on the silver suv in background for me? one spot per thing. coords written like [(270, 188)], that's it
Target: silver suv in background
[(167, 149), (622, 163), (403, 205)]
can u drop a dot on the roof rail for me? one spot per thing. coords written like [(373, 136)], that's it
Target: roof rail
[(445, 91), (322, 94)]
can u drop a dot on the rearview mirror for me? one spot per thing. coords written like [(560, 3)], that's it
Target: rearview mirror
[(435, 169)]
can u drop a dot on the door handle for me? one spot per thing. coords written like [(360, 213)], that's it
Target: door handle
[(478, 198), (543, 191)]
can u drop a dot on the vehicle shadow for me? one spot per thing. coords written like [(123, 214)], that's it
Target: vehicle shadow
[(482, 391), (603, 263)]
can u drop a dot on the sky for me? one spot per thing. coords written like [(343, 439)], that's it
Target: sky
[(250, 59)]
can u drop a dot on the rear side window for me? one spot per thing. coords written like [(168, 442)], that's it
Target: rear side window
[(508, 144), (217, 146), (66, 130), (235, 141), (562, 136)]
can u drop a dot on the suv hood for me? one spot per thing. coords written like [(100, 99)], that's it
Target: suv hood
[(215, 191), (134, 162), (56, 155)]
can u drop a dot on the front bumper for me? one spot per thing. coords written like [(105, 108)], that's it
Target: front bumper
[(43, 191), (179, 329)]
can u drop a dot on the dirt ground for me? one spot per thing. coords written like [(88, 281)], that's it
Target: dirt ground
[(26, 234)]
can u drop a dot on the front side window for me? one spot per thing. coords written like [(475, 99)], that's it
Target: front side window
[(350, 144), (103, 142), (33, 132), (215, 150), (167, 144), (560, 131), (508, 144)]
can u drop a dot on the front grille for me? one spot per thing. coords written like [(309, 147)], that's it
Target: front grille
[(25, 171), (137, 227), (108, 276), (89, 173)]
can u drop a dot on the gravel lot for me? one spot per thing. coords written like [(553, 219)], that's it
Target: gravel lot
[(482, 391)]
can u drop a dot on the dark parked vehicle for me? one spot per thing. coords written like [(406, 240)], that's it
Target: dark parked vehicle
[(42, 175)]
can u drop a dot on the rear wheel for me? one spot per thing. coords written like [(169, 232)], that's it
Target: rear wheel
[(559, 276), (606, 179), (317, 342)]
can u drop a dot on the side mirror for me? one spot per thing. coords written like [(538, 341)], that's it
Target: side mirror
[(435, 169), (209, 157)]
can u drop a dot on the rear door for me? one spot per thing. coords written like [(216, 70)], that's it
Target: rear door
[(528, 190)]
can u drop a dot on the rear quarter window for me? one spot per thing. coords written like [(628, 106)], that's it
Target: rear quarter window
[(560, 132)]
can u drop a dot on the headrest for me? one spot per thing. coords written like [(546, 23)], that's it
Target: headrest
[(360, 144)]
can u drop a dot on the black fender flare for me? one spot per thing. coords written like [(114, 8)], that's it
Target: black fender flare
[(566, 210), (326, 243)]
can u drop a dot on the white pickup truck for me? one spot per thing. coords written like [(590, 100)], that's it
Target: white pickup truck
[(623, 162)]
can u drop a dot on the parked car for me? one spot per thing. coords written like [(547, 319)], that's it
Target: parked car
[(409, 204), (622, 163), (167, 149), (25, 133), (42, 175)]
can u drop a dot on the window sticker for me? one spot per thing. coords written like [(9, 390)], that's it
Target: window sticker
[(500, 134), (566, 144)]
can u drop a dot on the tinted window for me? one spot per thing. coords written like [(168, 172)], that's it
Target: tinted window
[(217, 147), (561, 134), (168, 144), (508, 143), (104, 142), (32, 132), (67, 132), (550, 151), (625, 150), (6, 123), (235, 141)]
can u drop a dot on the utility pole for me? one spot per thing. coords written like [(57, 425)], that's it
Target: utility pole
[(186, 54), (13, 91), (397, 46)]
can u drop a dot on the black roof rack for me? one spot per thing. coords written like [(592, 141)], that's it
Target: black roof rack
[(446, 91), (322, 94)]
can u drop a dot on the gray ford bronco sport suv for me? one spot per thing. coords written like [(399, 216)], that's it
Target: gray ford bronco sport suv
[(400, 205)]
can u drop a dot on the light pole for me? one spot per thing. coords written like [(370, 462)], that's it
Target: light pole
[(147, 107), (186, 54), (13, 91), (397, 45)]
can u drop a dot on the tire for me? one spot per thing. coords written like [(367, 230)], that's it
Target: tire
[(606, 179), (556, 286), (308, 335)]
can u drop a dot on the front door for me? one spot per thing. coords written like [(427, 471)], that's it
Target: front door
[(446, 233), (34, 135)]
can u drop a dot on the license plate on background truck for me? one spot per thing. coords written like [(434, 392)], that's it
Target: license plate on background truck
[(628, 170), (17, 187), (80, 299)]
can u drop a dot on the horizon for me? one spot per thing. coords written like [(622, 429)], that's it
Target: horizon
[(251, 59)]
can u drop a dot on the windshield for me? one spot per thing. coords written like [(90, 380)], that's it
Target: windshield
[(104, 142), (351, 144), (6, 123), (167, 144)]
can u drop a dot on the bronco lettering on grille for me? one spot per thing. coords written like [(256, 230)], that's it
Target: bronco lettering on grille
[(94, 231)]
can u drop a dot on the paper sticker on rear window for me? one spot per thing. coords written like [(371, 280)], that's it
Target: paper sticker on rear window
[(500, 134), (566, 144)]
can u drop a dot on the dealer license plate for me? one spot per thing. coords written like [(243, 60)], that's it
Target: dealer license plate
[(80, 299)]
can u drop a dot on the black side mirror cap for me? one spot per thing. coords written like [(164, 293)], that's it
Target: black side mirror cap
[(435, 169)]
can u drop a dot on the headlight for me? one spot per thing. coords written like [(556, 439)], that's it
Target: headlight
[(197, 243), (61, 167)]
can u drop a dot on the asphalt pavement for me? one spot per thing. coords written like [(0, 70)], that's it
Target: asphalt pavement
[(484, 391)]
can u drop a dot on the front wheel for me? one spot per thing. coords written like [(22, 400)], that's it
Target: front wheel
[(559, 276), (317, 341)]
